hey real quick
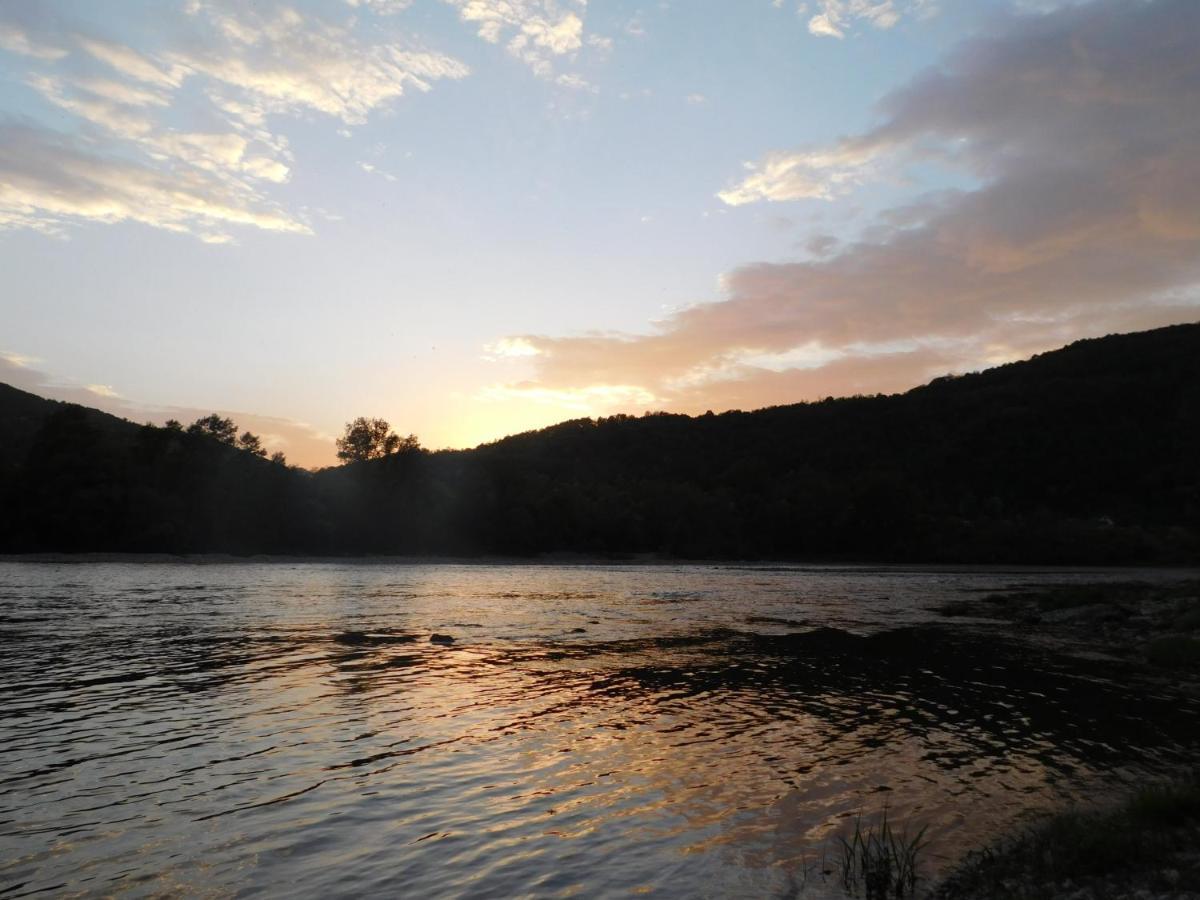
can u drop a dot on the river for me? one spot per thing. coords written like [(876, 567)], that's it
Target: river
[(254, 728)]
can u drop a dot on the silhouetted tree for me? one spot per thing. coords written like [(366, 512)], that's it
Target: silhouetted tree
[(278, 458), (173, 425), (251, 444), (213, 426), (371, 439)]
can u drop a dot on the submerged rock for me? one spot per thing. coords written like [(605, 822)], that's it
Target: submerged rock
[(436, 638), (1093, 612), (365, 639)]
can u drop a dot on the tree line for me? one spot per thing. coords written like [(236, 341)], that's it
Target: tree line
[(1087, 454), (224, 430), (363, 439)]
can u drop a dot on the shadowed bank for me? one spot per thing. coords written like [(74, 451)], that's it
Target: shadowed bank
[(1083, 455)]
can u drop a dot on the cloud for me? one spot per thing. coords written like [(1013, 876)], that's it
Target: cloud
[(17, 40), (50, 180), (17, 360), (577, 82), (117, 118), (285, 62), (510, 347), (383, 7), (1081, 129), (136, 65), (122, 92), (813, 175), (821, 244), (372, 169), (535, 31), (303, 444), (834, 18), (225, 153), (601, 43), (127, 160)]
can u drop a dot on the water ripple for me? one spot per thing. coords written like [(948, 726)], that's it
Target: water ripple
[(246, 728)]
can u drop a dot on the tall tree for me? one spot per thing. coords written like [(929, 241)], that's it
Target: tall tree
[(371, 439), (213, 426), (251, 444)]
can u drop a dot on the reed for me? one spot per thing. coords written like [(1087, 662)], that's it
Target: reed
[(880, 863)]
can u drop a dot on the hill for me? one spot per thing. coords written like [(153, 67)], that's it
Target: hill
[(74, 479), (22, 415), (1084, 454)]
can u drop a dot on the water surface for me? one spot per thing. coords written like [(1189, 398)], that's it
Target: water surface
[(252, 728)]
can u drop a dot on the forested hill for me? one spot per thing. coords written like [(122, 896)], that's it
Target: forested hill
[(23, 415), (1086, 454)]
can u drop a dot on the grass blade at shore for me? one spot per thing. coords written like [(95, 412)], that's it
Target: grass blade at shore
[(878, 863)]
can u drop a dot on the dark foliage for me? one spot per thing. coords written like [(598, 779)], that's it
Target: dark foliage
[(79, 480), (251, 443), (216, 427), (1086, 454), (366, 439)]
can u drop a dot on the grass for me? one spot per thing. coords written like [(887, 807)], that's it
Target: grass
[(1188, 620), (1174, 651), (1167, 805), (879, 863), (1135, 845), (954, 608)]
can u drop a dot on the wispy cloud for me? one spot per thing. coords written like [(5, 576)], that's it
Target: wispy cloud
[(837, 18), (1081, 128), (372, 169), (130, 62), (821, 174), (285, 62), (15, 39), (384, 7), (511, 347), (128, 161), (50, 180), (537, 32)]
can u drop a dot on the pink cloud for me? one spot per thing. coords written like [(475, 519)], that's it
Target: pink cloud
[(1082, 127)]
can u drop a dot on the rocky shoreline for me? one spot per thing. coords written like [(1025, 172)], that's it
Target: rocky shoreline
[(1157, 624), (1146, 848)]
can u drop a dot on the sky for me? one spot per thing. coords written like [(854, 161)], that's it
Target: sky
[(476, 217)]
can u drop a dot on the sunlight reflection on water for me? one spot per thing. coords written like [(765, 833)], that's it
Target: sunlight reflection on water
[(290, 728)]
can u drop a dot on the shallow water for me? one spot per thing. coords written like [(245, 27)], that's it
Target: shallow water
[(253, 728)]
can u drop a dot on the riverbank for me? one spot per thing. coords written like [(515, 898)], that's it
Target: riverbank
[(1158, 624), (1147, 848)]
